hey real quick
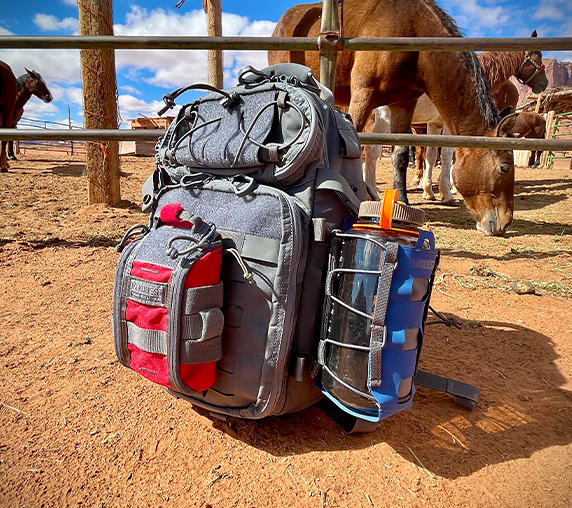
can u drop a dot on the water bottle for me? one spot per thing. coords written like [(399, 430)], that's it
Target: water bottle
[(356, 259)]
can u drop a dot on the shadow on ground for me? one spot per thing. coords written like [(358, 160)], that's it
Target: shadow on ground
[(436, 434)]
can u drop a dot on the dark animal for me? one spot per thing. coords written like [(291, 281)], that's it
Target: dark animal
[(530, 125), (8, 91), (454, 81), (14, 94)]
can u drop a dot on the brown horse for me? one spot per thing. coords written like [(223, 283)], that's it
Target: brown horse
[(14, 94), (530, 125), (8, 91), (453, 80), (506, 96)]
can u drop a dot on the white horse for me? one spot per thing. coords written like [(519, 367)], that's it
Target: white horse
[(425, 113)]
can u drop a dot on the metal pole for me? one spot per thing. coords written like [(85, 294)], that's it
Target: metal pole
[(70, 126), (365, 138), (288, 43)]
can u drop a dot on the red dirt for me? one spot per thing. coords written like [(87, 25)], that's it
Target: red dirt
[(78, 429)]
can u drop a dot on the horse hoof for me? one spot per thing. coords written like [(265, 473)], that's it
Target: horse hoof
[(12, 157), (449, 202), (429, 197), (3, 170)]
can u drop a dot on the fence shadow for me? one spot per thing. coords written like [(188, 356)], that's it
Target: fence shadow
[(521, 408)]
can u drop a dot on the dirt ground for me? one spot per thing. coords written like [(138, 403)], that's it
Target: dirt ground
[(78, 429)]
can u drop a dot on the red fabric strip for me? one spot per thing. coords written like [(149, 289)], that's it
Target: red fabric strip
[(147, 271), (146, 317)]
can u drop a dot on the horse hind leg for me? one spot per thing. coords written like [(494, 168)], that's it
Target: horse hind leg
[(401, 116), (4, 166), (445, 182), (427, 181), (10, 152), (420, 154)]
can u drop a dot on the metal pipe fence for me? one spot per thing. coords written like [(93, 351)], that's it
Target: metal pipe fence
[(300, 44), (365, 138)]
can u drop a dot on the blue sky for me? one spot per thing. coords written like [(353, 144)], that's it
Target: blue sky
[(144, 76)]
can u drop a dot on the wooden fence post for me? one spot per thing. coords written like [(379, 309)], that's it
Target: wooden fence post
[(99, 103), (213, 9), (328, 43)]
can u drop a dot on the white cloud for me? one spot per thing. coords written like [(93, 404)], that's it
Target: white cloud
[(130, 90), (71, 3), (132, 107), (3, 31), (175, 68), (49, 23), (37, 109), (55, 66)]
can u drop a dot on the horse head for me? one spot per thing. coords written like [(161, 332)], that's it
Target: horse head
[(37, 86), (531, 71), (488, 192)]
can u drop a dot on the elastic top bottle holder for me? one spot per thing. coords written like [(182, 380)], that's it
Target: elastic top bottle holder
[(392, 215)]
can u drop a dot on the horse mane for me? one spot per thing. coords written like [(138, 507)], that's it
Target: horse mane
[(448, 22), (484, 98), (21, 80), (500, 65)]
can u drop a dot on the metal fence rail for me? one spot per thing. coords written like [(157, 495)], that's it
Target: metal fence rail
[(300, 44), (288, 43), (365, 138)]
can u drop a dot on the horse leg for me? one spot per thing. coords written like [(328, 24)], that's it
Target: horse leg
[(427, 181), (445, 177), (401, 116), (10, 152), (372, 152), (430, 158), (4, 166), (420, 154)]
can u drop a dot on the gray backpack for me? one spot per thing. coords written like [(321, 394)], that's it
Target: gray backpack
[(274, 169), (220, 297)]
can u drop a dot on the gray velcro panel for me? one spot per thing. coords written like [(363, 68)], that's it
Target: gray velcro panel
[(147, 292), (258, 248), (261, 249), (205, 297)]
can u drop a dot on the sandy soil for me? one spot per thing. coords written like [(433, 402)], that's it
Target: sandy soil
[(78, 429)]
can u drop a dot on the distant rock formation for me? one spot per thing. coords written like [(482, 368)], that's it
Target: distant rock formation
[(558, 74)]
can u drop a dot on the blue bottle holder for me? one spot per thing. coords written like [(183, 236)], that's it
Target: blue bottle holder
[(369, 360)]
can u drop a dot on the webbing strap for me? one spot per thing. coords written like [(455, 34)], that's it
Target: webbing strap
[(197, 334), (466, 395), (205, 297), (378, 330)]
